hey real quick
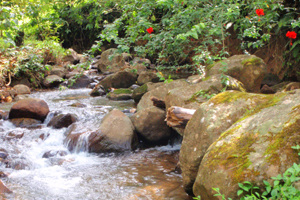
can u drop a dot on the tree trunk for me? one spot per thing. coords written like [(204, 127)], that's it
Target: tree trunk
[(179, 117)]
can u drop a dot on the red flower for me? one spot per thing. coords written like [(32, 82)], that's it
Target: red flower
[(292, 35), (192, 39), (150, 30), (260, 12)]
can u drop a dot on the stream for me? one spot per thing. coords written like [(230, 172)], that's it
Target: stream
[(142, 174)]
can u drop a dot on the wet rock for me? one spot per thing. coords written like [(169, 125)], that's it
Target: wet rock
[(120, 94), (248, 69), (62, 120), (4, 189), (53, 153), (21, 89), (159, 92), (78, 105), (267, 90), (52, 81), (255, 148), (25, 122), (150, 124), (44, 136), (122, 79), (193, 95), (98, 90), (147, 76), (29, 108), (210, 120), (115, 134), (110, 61), (15, 134)]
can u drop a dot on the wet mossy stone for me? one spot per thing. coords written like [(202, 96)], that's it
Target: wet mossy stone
[(255, 148), (120, 94), (248, 69), (209, 121)]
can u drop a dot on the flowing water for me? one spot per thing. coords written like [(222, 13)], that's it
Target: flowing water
[(142, 174)]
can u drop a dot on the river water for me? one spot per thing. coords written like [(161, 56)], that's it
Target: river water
[(141, 174)]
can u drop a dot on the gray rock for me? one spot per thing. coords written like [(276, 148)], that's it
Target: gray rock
[(250, 70)]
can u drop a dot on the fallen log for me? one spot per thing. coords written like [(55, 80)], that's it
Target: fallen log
[(178, 117), (158, 103)]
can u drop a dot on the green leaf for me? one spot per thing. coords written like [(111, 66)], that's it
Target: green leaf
[(240, 192)]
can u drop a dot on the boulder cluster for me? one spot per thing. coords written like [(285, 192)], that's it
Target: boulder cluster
[(240, 131)]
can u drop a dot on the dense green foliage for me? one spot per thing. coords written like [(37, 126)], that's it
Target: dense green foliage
[(186, 33)]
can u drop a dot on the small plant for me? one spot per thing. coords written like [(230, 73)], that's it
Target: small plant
[(284, 186), (162, 78)]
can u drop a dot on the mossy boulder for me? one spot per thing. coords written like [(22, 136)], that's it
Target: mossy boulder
[(160, 93), (121, 79), (248, 69), (120, 94), (111, 61), (192, 96), (255, 148), (140, 91), (208, 122)]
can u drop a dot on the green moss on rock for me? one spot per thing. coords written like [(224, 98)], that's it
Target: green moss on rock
[(233, 156), (252, 61), (122, 91)]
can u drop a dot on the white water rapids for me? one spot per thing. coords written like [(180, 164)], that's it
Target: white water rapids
[(142, 174)]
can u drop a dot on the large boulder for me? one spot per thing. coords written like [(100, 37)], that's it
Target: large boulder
[(115, 134), (62, 120), (254, 149), (140, 91), (160, 93), (122, 79), (147, 76), (29, 108), (110, 61), (206, 125), (248, 69), (193, 95), (150, 124), (22, 89)]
